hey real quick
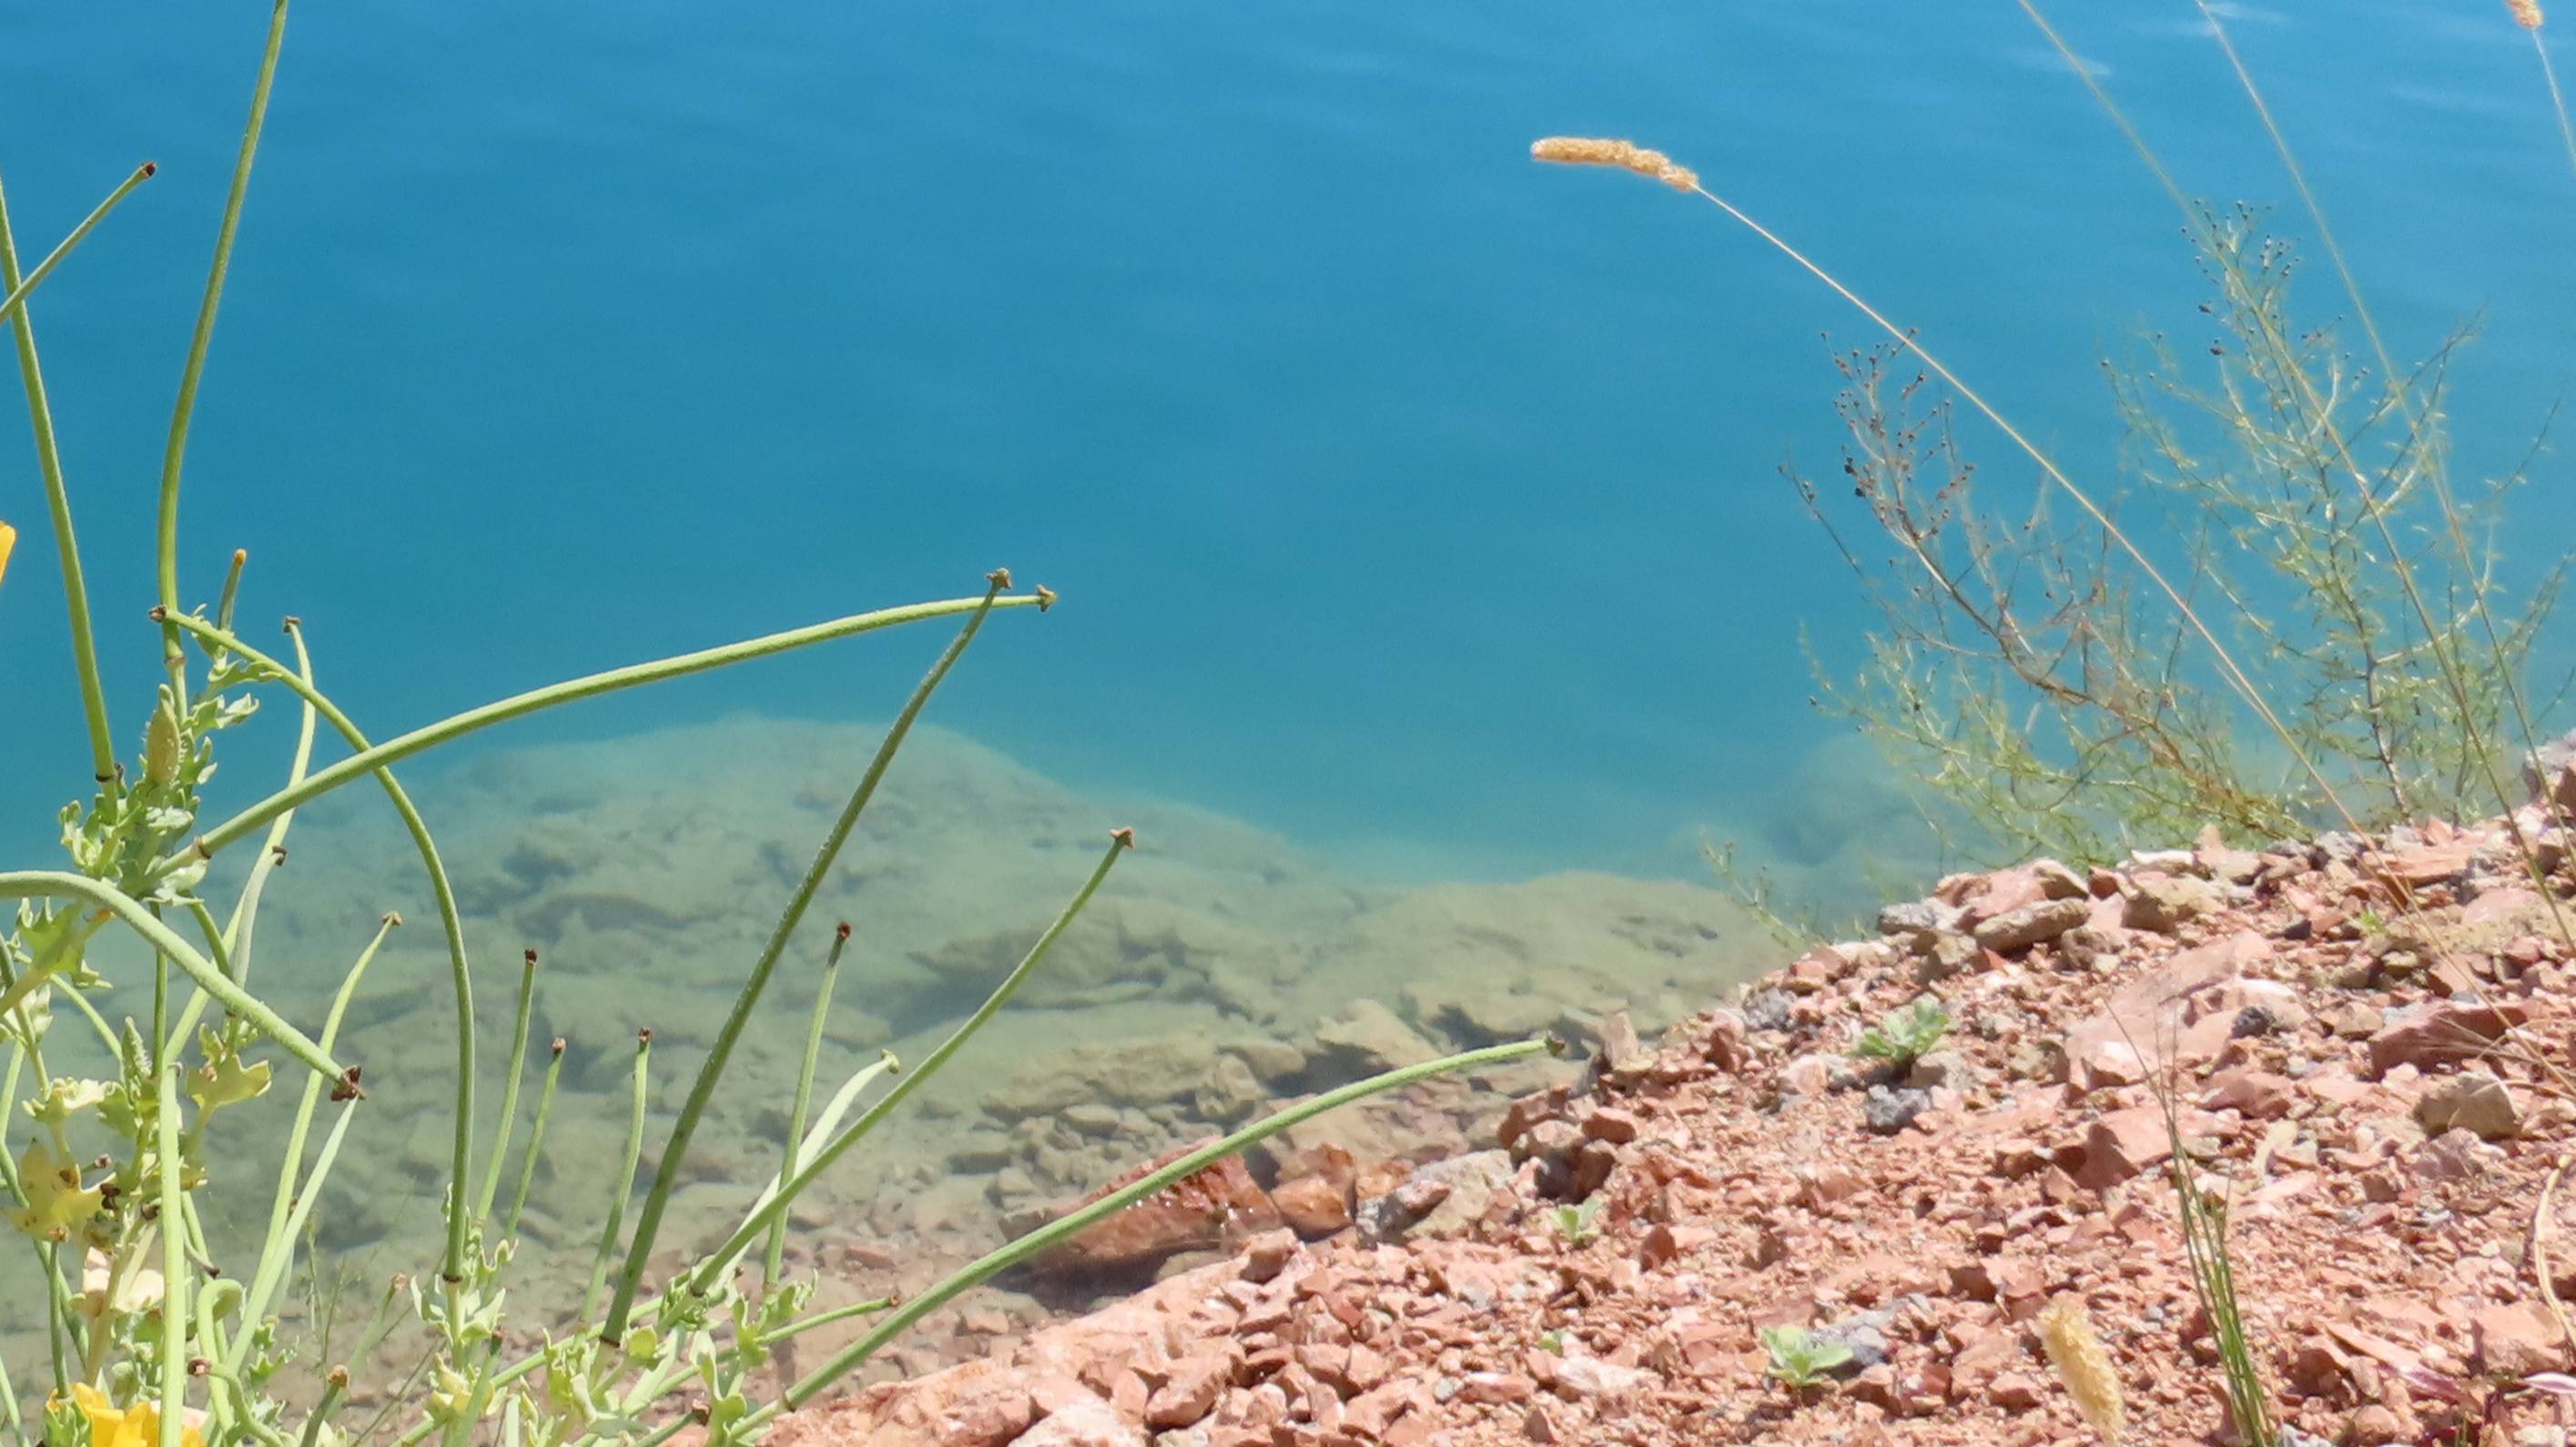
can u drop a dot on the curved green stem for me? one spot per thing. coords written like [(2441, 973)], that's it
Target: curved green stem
[(49, 466), (174, 451), (703, 1089), (18, 290), (614, 1219), (55, 884), (428, 736), (509, 1117), (774, 1261), (992, 1263)]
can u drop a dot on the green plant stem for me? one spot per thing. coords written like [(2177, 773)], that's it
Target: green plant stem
[(702, 1091), (774, 1260), (18, 290), (394, 750), (442, 891), (821, 1319), (976, 1272), (174, 451), (702, 1282), (614, 1220), (279, 1242), (536, 1140), (49, 467), (273, 1266), (176, 1274), (55, 884), (510, 1087), (335, 1390)]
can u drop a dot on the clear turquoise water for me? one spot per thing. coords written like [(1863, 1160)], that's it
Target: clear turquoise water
[(1405, 497), (1410, 501)]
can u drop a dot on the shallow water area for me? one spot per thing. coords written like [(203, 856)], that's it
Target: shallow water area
[(1222, 970)]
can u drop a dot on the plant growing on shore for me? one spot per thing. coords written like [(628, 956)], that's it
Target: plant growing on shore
[(1800, 1359), (1905, 1034), (1574, 1223), (150, 1336)]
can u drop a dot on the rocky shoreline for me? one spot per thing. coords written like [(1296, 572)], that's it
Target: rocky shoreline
[(2377, 1090)]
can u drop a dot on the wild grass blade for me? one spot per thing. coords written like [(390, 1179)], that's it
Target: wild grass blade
[(648, 1225), (773, 1260), (536, 1138), (290, 1183), (613, 1220), (510, 1087)]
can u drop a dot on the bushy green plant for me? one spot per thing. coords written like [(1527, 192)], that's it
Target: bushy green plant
[(1905, 1034), (151, 1335), (1799, 1358)]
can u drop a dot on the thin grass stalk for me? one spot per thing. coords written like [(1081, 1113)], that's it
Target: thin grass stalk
[(9, 1407), (2237, 679), (834, 1316), (774, 1260), (56, 884), (442, 892), (274, 1265), (536, 1137), (756, 1224), (380, 1323), (510, 1087), (49, 468), (395, 750), (174, 451), (2557, 98), (624, 1186), (290, 1165), (1056, 1233), (19, 290), (175, 1270), (231, 591), (702, 1091), (826, 1125), (2453, 672)]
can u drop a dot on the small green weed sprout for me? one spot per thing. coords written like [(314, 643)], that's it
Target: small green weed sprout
[(1799, 1358), (1905, 1035), (1574, 1223), (1553, 1342)]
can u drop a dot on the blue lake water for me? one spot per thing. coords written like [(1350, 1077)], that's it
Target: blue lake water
[(1405, 497), (1412, 504)]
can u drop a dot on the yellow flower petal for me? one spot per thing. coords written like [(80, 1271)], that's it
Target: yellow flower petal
[(8, 540)]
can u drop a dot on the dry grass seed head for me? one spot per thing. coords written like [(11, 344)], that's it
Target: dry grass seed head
[(1626, 155), (2066, 1330), (2526, 13)]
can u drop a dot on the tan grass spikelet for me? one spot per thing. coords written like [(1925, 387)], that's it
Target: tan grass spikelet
[(1626, 155), (2067, 1332), (2526, 13)]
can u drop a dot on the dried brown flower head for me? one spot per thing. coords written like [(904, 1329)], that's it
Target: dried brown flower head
[(1626, 155), (2526, 13)]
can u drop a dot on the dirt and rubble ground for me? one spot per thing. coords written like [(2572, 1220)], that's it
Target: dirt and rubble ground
[(2367, 1040)]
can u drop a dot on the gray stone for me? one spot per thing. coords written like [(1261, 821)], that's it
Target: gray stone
[(1917, 917), (2550, 771), (1943, 954), (1888, 1111), (1457, 1191), (1768, 1009), (2163, 902), (2473, 1101), (1231, 1092), (1938, 1069), (2032, 924), (1367, 1039), (1865, 1335)]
